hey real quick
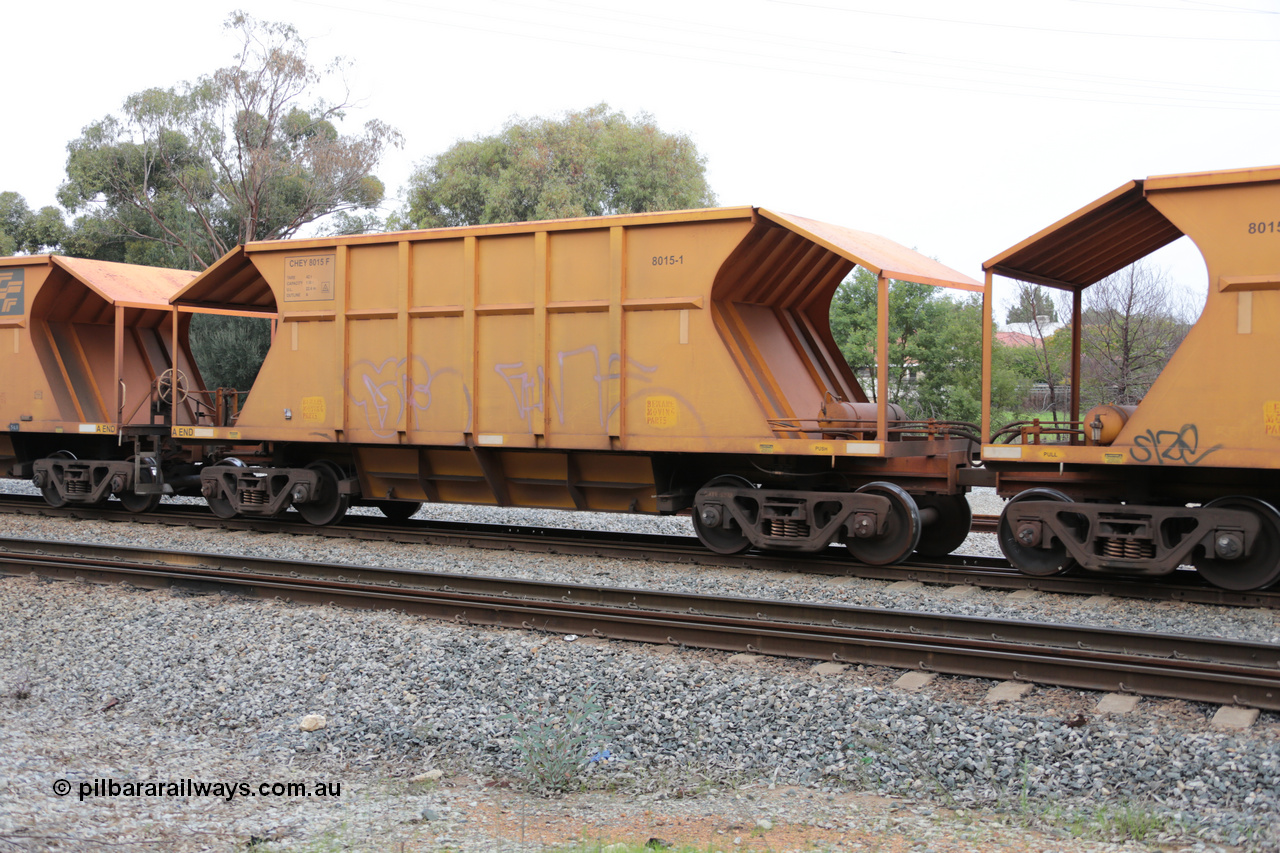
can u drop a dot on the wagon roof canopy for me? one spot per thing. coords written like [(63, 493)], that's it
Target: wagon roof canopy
[(119, 284), (879, 255), (232, 282), (1109, 234)]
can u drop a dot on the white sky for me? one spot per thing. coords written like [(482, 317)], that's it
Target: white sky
[(957, 128)]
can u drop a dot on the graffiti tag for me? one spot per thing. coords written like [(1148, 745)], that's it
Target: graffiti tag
[(1176, 447), (386, 392), (526, 390), (383, 392)]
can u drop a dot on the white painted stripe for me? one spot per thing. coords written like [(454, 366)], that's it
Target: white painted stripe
[(489, 439), (88, 427), (862, 448), (1002, 452)]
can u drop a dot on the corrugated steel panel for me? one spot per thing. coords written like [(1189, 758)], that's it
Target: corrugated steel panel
[(1090, 244), (231, 282)]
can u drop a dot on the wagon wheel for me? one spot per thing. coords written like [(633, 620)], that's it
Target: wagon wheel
[(329, 506), (53, 495), (1258, 570), (172, 386), (901, 535), (397, 510), (134, 502), (1032, 560), (220, 506), (708, 523), (951, 527)]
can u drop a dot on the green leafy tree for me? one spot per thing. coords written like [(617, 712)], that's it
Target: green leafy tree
[(185, 173), (949, 386), (1048, 361), (1031, 303), (22, 230), (1045, 368), (589, 163), (912, 308), (229, 350), (935, 349)]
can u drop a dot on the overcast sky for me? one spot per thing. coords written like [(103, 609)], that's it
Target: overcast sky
[(957, 128)]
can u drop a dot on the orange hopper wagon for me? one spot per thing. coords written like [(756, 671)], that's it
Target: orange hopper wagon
[(88, 358), (1192, 473), (652, 363)]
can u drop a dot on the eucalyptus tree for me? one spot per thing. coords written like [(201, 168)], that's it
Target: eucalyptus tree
[(25, 230), (588, 163), (249, 152)]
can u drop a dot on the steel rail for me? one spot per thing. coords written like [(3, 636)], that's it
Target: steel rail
[(984, 524), (1194, 668), (955, 569)]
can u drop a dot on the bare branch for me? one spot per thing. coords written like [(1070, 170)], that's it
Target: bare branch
[(1133, 321), (236, 156)]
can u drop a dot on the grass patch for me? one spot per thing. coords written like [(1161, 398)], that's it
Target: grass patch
[(1121, 822)]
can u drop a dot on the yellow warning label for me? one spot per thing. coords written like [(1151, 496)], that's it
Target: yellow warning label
[(313, 410), (1113, 458), (1271, 417), (660, 412), (767, 447)]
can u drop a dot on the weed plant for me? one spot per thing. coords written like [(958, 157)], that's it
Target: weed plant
[(557, 745)]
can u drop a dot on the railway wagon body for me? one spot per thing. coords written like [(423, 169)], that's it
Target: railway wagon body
[(646, 363), (1192, 473), (86, 352)]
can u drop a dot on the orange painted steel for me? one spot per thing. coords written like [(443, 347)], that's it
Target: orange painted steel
[(549, 363), (1209, 427), (1207, 409), (81, 342)]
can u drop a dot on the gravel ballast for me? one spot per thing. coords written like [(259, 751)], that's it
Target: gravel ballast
[(129, 685)]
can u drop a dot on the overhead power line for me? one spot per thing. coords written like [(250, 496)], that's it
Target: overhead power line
[(893, 67), (1025, 27)]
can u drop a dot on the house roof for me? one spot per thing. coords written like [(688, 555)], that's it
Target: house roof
[(1015, 339)]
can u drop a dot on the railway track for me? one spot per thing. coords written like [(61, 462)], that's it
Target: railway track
[(1191, 668), (984, 524), (957, 569)]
